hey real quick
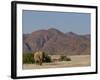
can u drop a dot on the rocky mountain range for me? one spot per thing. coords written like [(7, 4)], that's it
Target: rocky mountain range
[(53, 41)]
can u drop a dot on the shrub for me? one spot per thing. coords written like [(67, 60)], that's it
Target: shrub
[(47, 58), (68, 59), (64, 58), (28, 58)]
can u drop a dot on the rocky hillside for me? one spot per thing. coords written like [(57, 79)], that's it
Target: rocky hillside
[(53, 41)]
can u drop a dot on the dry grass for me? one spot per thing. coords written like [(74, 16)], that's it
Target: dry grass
[(76, 61)]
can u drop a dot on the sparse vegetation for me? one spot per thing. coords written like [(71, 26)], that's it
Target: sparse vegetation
[(64, 58), (47, 59), (28, 58), (68, 59), (76, 61)]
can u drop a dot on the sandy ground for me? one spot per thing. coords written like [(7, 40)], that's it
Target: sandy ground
[(76, 61)]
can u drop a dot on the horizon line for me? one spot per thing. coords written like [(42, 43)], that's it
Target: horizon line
[(59, 30)]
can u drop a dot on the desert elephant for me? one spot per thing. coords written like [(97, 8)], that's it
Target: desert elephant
[(38, 57)]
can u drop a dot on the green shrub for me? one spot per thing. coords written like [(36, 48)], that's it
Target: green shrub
[(28, 58), (47, 59), (68, 59), (64, 58)]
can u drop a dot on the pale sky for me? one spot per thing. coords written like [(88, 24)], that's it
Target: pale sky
[(66, 22)]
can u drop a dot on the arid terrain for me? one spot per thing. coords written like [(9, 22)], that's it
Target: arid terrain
[(56, 43), (76, 61)]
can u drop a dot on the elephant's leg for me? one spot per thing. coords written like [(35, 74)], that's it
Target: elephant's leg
[(40, 62), (37, 62)]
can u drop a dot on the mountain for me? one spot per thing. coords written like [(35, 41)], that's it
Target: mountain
[(53, 41)]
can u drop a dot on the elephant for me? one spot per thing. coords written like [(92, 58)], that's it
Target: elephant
[(39, 57)]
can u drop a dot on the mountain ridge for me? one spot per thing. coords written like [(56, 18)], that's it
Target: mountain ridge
[(53, 41)]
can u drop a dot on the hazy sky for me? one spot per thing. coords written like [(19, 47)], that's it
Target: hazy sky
[(66, 22)]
